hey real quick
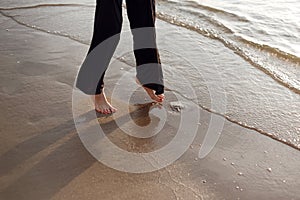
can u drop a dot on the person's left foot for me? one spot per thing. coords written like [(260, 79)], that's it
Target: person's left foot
[(158, 98), (102, 105)]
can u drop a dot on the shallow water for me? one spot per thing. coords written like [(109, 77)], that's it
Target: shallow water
[(264, 33), (257, 63), (273, 23)]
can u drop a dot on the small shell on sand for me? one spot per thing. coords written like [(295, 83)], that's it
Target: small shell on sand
[(176, 106)]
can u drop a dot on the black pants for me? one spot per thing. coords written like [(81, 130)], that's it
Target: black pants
[(107, 26)]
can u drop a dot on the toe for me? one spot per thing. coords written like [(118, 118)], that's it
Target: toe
[(103, 111), (106, 111), (161, 97), (155, 98), (99, 110)]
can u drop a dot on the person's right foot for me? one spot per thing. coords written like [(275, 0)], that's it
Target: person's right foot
[(102, 105), (158, 98)]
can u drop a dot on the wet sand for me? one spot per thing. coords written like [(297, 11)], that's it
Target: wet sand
[(42, 157)]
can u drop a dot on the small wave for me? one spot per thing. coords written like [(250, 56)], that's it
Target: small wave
[(58, 33), (196, 9), (218, 11), (268, 59), (273, 50), (46, 5)]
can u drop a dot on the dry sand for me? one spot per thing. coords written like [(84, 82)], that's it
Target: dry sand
[(42, 157)]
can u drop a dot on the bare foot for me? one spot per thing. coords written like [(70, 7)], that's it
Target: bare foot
[(102, 105), (151, 93)]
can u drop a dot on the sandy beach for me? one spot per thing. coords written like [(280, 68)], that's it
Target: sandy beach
[(42, 156)]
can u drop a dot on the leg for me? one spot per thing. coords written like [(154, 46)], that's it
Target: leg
[(141, 14), (107, 23), (107, 26)]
